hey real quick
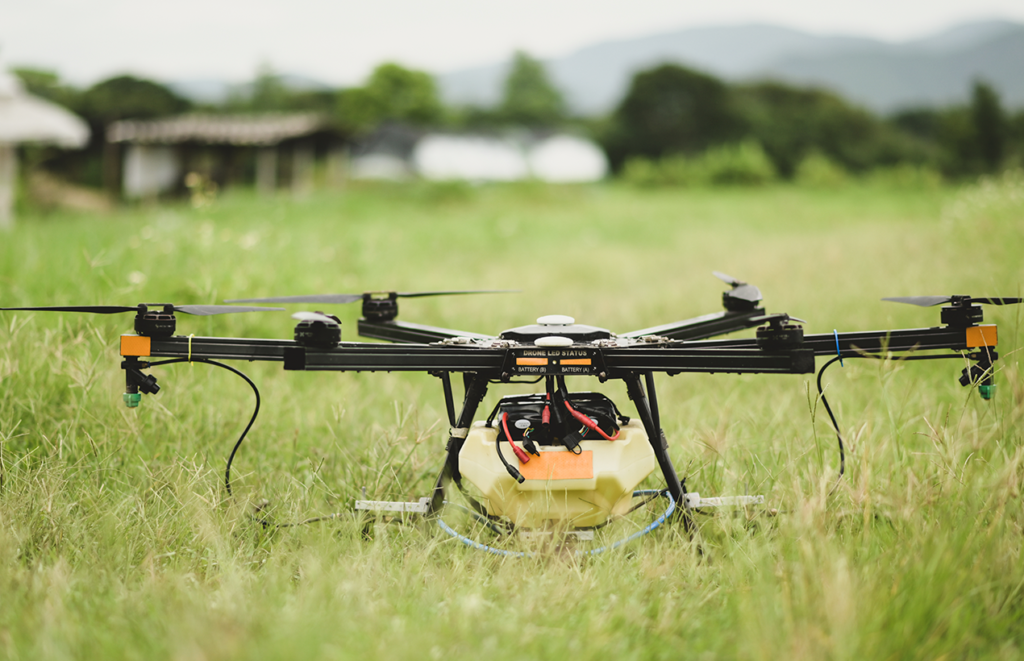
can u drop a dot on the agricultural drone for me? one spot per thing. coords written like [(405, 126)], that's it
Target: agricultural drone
[(552, 458)]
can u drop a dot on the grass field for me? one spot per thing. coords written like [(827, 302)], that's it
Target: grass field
[(118, 541)]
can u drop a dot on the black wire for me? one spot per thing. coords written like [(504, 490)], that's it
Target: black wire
[(234, 450), (835, 425), (516, 475), (255, 412), (828, 409)]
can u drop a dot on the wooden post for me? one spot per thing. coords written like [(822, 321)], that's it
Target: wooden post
[(337, 166), (112, 169), (8, 172), (266, 170), (302, 169)]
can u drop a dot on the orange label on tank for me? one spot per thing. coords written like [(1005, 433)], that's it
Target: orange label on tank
[(135, 345), (559, 466), (981, 336)]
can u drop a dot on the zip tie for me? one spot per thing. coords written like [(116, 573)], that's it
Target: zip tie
[(458, 432), (838, 353), (190, 336)]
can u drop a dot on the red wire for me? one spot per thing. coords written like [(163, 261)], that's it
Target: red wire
[(590, 424), (523, 457)]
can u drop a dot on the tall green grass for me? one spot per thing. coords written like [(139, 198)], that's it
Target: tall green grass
[(118, 541)]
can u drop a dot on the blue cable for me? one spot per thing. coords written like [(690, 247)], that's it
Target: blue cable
[(838, 352), (601, 549), (640, 533)]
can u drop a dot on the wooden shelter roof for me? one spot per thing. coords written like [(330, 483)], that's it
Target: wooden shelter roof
[(243, 130)]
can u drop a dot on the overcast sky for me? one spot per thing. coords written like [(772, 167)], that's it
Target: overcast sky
[(340, 41)]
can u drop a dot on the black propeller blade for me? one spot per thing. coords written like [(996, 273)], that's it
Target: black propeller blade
[(417, 294), (740, 289), (198, 310), (929, 301), (94, 309), (778, 316), (206, 310), (315, 316), (341, 299), (315, 298)]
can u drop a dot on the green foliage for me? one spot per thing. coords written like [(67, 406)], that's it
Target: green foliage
[(47, 84), (670, 109), (906, 176), (793, 122), (392, 93), (270, 93), (744, 163), (529, 96), (817, 170), (968, 140), (643, 172), (1015, 130), (989, 123), (477, 118), (128, 97)]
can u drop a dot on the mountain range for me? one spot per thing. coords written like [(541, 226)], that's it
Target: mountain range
[(936, 70)]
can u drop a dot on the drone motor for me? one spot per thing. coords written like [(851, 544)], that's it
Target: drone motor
[(961, 314), (157, 322), (778, 334), (317, 330)]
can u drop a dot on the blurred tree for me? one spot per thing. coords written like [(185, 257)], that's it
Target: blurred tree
[(924, 123), (530, 98), (793, 123), (392, 93), (1015, 139), (268, 91), (967, 140), (671, 109), (476, 118), (47, 84), (125, 97), (957, 141), (990, 126)]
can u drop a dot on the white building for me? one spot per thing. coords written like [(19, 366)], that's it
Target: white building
[(557, 158)]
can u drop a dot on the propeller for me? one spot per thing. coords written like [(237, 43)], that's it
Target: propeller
[(929, 301), (341, 299), (315, 316), (740, 289), (198, 310), (776, 317)]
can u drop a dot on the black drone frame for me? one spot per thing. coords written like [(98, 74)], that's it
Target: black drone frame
[(780, 347)]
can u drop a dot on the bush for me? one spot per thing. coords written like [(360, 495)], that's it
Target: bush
[(742, 164), (819, 171), (906, 176), (643, 172)]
